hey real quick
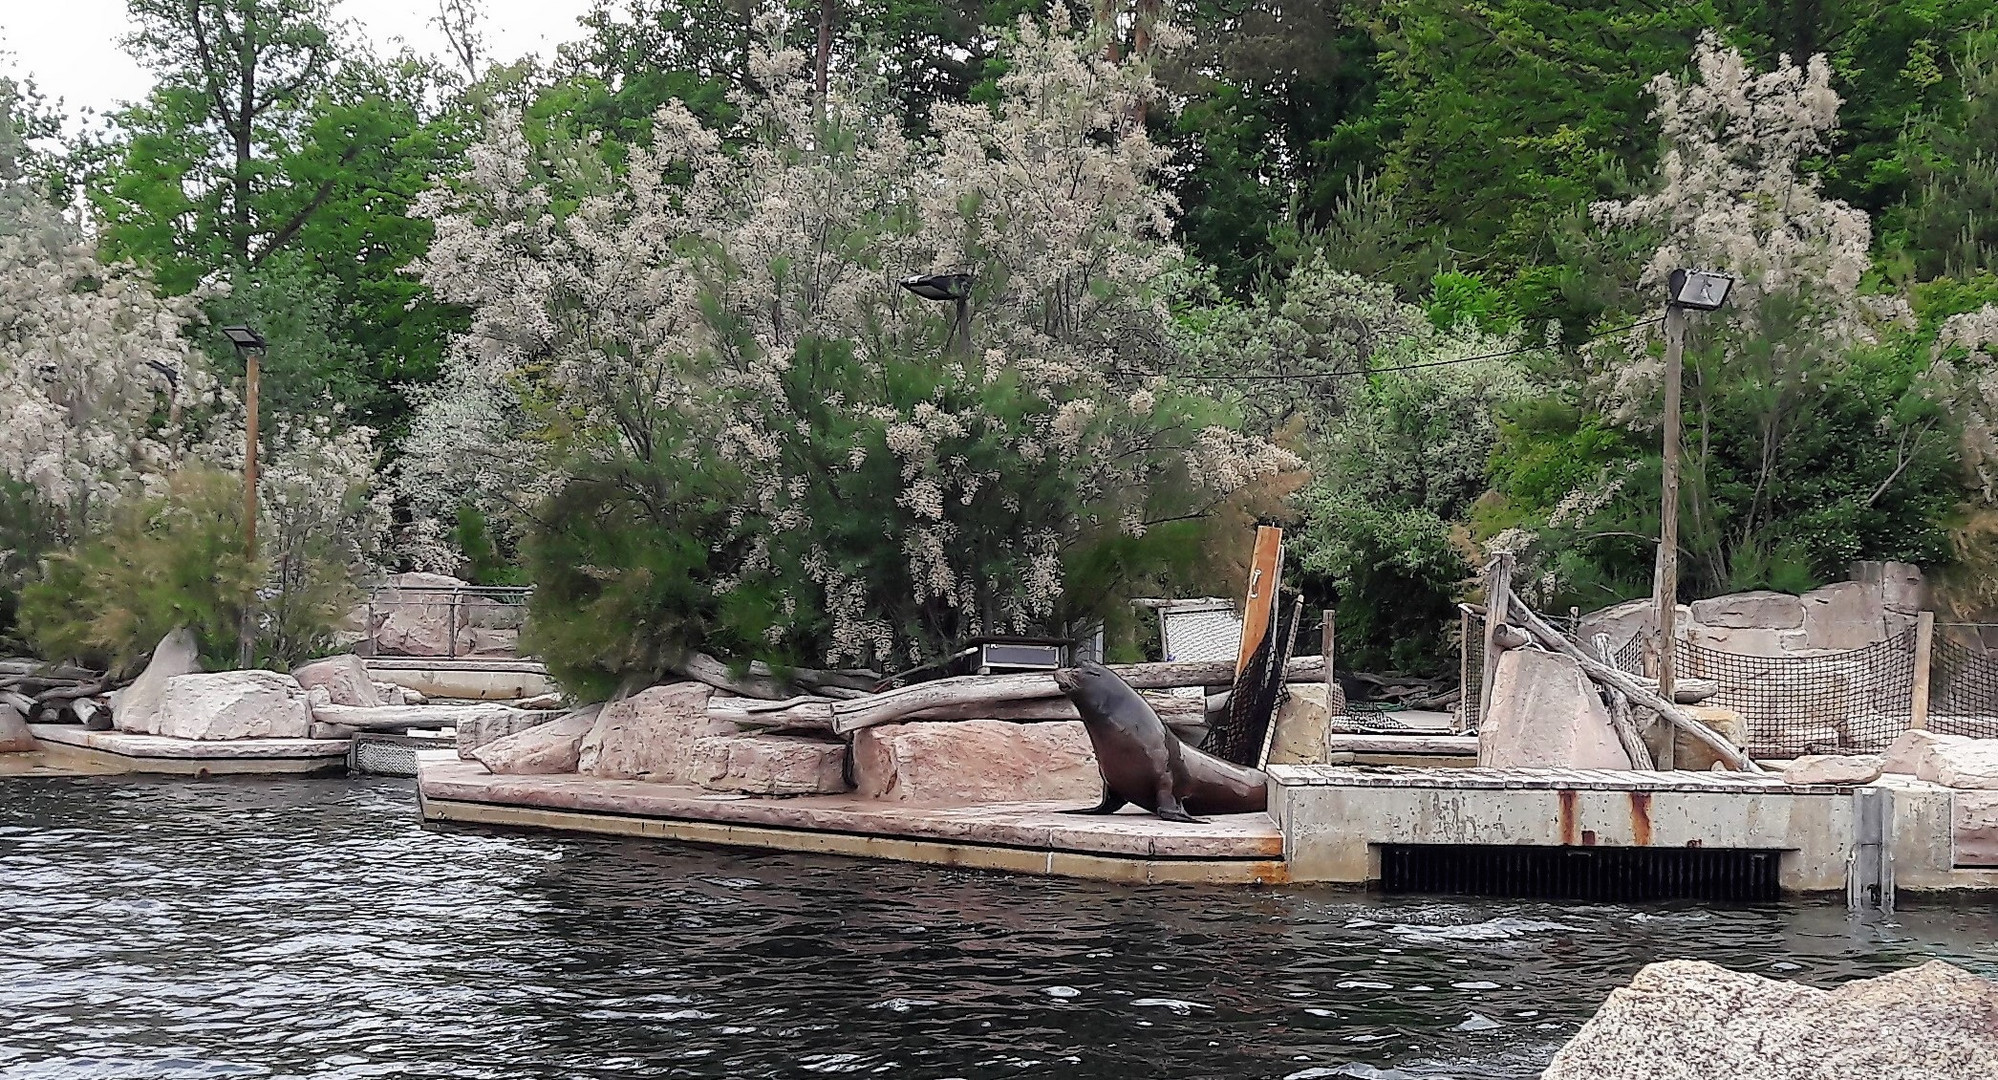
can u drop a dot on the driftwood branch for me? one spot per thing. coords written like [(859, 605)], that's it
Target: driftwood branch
[(400, 717), (1621, 719), (1630, 686), (817, 714)]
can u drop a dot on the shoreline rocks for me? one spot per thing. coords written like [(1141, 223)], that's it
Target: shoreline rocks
[(234, 705), (136, 708), (1546, 714), (966, 762), (1692, 1020)]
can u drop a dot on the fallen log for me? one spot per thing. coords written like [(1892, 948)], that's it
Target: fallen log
[(817, 714), (403, 717), (65, 672), (22, 703), (1621, 720), (71, 693), (1630, 686)]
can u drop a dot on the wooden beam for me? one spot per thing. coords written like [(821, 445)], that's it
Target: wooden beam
[(1498, 587), (1259, 606), (1918, 701)]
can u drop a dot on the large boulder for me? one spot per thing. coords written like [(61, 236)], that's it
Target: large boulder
[(1623, 623), (1971, 764), (768, 765), (478, 725), (344, 678), (1759, 610), (1545, 714), (545, 749), (650, 735), (418, 614), (1847, 615), (1902, 589), (1691, 1020), (1832, 769), (1302, 723), (1976, 828), (235, 705), (136, 708), (1910, 749), (15, 738), (975, 761), (1689, 753)]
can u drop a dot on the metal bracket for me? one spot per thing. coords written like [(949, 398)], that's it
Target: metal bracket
[(1869, 874)]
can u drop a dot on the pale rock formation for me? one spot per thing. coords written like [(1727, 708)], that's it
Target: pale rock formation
[(553, 747), (345, 679), (1846, 615), (1908, 750), (1970, 764), (1302, 722), (1832, 769), (1623, 622), (650, 735), (478, 725), (1759, 610), (1545, 714), (1691, 1020), (15, 738), (1976, 828), (975, 761), (415, 616), (768, 765), (136, 707), (1690, 753), (234, 705)]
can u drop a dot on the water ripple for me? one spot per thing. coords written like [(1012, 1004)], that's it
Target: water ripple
[(312, 928)]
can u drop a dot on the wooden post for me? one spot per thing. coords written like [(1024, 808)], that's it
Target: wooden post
[(1259, 607), (246, 635), (1666, 588), (1335, 698), (1463, 667), (1498, 586), (1918, 701)]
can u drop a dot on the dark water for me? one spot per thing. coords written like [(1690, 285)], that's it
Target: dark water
[(312, 928)]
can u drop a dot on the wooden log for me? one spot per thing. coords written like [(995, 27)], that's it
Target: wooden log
[(1621, 719), (67, 672), (817, 714), (1166, 676), (981, 692), (1498, 588), (1636, 692), (399, 717), (1372, 743), (71, 693), (22, 703)]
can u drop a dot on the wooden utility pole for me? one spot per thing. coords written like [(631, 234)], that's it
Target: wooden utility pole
[(246, 637), (1498, 587), (1667, 585)]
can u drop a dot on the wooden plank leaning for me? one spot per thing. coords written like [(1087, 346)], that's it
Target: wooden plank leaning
[(1637, 692)]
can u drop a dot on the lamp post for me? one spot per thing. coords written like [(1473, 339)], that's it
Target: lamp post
[(250, 346), (1688, 290), (955, 288)]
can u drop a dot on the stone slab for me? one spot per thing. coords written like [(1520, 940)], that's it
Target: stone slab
[(1039, 827), (72, 749), (1974, 828)]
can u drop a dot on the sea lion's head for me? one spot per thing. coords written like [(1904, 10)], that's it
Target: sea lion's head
[(1093, 688)]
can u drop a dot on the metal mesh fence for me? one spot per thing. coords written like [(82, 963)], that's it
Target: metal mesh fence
[(1842, 702), (1471, 665)]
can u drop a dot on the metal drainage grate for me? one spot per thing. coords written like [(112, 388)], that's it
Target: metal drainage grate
[(390, 755), (1572, 873)]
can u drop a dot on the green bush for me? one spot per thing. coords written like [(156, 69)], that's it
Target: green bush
[(174, 561)]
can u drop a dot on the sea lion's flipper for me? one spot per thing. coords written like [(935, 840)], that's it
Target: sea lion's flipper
[(1171, 809), (1112, 802)]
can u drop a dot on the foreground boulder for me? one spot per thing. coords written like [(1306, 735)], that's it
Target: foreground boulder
[(15, 738), (1690, 753), (235, 705), (1971, 764), (1691, 1020), (545, 749), (975, 761), (650, 735), (344, 678), (1832, 769), (136, 708), (769, 765), (1910, 748), (1308, 714), (1545, 714)]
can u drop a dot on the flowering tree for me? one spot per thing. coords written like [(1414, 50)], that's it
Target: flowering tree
[(714, 350)]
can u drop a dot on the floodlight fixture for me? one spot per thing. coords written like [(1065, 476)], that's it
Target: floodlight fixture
[(1699, 290), (940, 287), (172, 375), (242, 337)]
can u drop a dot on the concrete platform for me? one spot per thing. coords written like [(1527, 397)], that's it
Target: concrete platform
[(1032, 838), (68, 747), (1335, 819)]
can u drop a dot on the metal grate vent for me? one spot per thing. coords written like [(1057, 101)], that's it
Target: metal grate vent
[(390, 755), (1575, 873)]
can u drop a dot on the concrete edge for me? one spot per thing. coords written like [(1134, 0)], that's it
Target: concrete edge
[(1042, 862)]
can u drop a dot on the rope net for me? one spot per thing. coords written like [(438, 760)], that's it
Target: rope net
[(1963, 690), (1855, 701)]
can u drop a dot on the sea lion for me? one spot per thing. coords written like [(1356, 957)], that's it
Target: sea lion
[(1144, 763)]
